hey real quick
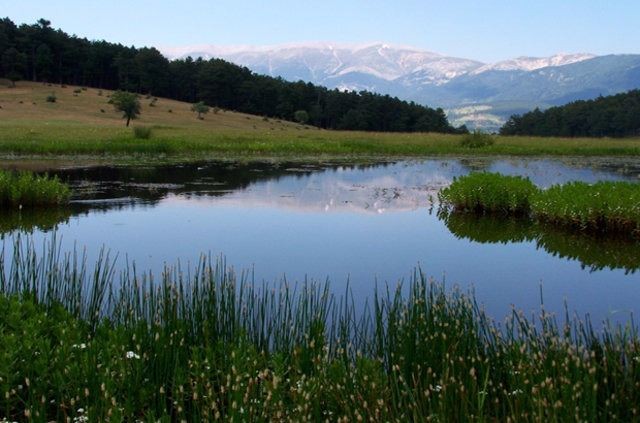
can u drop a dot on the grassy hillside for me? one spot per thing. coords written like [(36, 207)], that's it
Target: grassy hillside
[(26, 105), (81, 122)]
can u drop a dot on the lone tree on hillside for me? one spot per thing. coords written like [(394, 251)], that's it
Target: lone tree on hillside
[(127, 103), (200, 108)]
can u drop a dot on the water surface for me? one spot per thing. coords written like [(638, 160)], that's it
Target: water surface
[(366, 224)]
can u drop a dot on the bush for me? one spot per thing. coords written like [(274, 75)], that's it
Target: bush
[(477, 139), (301, 116), (51, 98), (142, 132), (489, 192), (77, 91)]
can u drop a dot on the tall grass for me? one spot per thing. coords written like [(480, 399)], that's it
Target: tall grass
[(202, 344), (603, 207), (26, 189)]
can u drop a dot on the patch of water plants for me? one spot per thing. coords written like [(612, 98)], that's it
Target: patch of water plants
[(201, 344), (603, 207), (26, 189)]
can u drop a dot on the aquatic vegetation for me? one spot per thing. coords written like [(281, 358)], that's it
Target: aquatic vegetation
[(600, 207), (484, 192), (25, 189), (604, 207), (202, 344)]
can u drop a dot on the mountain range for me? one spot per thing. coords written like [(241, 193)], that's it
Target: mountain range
[(474, 93)]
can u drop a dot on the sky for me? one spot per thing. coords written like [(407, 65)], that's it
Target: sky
[(485, 30)]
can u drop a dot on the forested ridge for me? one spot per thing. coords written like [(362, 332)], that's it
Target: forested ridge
[(612, 116), (41, 53)]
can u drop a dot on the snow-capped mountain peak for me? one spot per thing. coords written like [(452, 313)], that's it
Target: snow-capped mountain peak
[(533, 63)]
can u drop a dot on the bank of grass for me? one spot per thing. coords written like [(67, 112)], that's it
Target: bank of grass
[(28, 190), (603, 207), (80, 345), (85, 124)]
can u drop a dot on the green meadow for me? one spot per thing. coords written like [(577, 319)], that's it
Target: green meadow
[(81, 122)]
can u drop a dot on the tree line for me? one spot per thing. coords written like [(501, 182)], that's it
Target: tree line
[(40, 53), (612, 116)]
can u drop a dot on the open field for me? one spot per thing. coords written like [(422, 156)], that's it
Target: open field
[(75, 125), (85, 346)]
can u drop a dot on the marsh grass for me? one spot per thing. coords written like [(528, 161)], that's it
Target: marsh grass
[(604, 207), (202, 344), (601, 207), (483, 192), (25, 189)]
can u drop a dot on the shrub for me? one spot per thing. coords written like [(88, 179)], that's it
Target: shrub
[(142, 132), (301, 116), (51, 98), (477, 139), (489, 192), (77, 91)]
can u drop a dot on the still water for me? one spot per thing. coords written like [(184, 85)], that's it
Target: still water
[(365, 224)]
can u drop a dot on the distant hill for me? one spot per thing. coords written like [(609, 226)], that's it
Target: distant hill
[(41, 54), (612, 116), (474, 93)]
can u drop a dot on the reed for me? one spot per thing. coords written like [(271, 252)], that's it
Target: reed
[(86, 344)]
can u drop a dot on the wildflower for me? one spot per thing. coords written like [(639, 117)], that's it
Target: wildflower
[(131, 354), (516, 392), (81, 346), (438, 388)]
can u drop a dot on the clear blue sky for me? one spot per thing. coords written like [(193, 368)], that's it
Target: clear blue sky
[(487, 30)]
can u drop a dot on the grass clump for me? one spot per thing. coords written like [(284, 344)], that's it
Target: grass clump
[(600, 207), (142, 132), (476, 139), (484, 192), (603, 207), (203, 345), (26, 189), (51, 98)]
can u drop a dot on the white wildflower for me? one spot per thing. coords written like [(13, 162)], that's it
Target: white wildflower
[(131, 354)]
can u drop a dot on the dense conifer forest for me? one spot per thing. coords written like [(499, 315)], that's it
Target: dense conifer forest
[(612, 116)]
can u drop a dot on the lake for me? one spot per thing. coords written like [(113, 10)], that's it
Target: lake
[(363, 224)]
